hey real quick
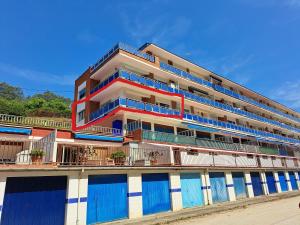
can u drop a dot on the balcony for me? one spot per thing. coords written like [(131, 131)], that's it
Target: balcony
[(112, 156), (223, 90), (161, 86), (230, 126), (124, 47), (132, 104), (128, 103)]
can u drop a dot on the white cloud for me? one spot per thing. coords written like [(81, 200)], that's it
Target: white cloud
[(289, 94), (293, 3), (146, 26), (36, 76)]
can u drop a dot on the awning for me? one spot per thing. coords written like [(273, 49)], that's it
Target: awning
[(201, 128), (97, 137), (15, 130)]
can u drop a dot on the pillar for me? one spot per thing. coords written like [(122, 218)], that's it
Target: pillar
[(288, 181), (135, 202), (2, 193), (175, 189), (229, 186), (206, 188), (76, 207), (277, 184), (297, 178), (264, 183), (248, 183)]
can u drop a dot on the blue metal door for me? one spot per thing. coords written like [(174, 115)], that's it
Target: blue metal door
[(191, 192), (218, 187), (271, 182), (239, 184), (155, 192), (256, 183), (107, 198), (34, 201), (282, 181), (293, 180)]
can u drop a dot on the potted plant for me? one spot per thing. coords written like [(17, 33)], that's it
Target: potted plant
[(37, 156), (118, 157), (153, 156)]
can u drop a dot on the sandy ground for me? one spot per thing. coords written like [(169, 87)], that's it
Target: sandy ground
[(281, 212)]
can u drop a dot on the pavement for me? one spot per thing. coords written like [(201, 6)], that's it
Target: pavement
[(278, 209)]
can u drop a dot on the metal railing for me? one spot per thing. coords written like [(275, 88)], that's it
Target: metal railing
[(224, 90), (34, 121), (25, 152), (123, 47), (130, 103), (158, 85), (106, 156)]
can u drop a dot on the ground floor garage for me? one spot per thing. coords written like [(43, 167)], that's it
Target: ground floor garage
[(34, 201)]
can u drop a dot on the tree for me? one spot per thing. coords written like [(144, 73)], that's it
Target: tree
[(47, 104), (10, 92)]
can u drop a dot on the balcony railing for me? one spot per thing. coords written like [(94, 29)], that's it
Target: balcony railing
[(34, 121), (193, 141), (106, 156), (161, 86), (123, 47), (129, 103), (51, 123), (171, 112), (230, 126), (224, 90), (22, 152)]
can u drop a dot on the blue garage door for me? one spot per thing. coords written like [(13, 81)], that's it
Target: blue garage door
[(107, 198), (293, 180), (218, 187), (34, 201), (239, 184), (282, 181), (256, 183), (271, 182), (155, 192), (191, 190)]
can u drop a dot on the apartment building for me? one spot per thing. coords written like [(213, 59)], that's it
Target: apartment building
[(151, 132)]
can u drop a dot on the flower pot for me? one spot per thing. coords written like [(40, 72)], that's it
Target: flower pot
[(120, 161), (37, 160)]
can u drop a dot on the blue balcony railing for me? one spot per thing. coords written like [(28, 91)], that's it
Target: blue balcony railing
[(224, 90), (123, 47), (161, 86), (130, 103), (243, 129)]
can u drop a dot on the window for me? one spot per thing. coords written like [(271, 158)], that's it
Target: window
[(81, 115), (81, 93)]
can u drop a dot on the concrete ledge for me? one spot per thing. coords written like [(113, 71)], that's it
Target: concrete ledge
[(169, 217)]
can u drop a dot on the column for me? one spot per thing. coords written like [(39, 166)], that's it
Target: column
[(287, 178), (248, 183), (172, 160), (76, 207), (135, 202), (297, 178), (229, 186), (206, 188), (264, 183), (2, 193), (277, 183), (175, 189)]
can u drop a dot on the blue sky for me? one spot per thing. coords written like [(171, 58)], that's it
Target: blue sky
[(47, 44)]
